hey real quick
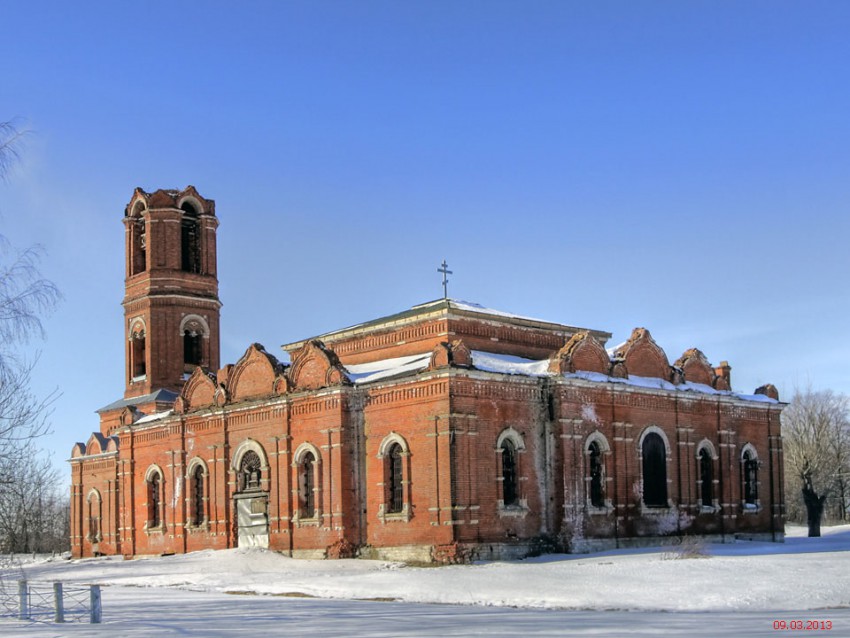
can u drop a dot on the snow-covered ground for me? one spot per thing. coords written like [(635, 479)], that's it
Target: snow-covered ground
[(737, 589)]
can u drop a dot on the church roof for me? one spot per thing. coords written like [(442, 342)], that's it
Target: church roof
[(159, 396), (445, 307), (508, 364)]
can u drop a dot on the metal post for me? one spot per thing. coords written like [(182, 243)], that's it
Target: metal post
[(23, 611), (58, 606), (95, 603)]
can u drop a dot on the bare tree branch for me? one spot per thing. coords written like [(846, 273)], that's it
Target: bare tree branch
[(10, 140)]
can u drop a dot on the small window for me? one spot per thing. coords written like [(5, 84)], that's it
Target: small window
[(597, 493), (250, 471), (654, 457), (510, 489), (198, 509), (154, 501), (750, 468), (395, 480), (307, 486), (706, 478)]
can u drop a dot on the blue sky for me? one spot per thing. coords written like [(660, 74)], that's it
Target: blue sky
[(676, 165)]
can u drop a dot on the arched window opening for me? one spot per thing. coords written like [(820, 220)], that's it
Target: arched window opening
[(138, 257), (307, 485), (510, 491), (597, 493), (250, 470), (654, 455), (198, 512), (706, 477), (750, 473), (395, 482), (192, 351), (137, 355), (190, 240), (154, 501), (94, 517)]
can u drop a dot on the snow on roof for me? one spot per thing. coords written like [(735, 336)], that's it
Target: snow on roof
[(385, 368), (655, 383), (471, 306), (156, 416), (508, 364)]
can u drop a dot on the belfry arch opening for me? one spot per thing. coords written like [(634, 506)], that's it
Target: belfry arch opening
[(138, 247), (190, 239)]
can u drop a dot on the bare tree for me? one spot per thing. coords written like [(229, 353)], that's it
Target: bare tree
[(33, 510), (25, 297), (816, 441)]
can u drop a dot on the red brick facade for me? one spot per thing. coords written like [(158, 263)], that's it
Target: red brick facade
[(442, 433)]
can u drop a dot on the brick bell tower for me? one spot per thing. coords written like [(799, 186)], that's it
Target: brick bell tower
[(171, 304)]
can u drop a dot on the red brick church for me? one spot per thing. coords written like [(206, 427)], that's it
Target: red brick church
[(442, 433)]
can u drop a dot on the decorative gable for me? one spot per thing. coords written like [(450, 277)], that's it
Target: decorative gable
[(316, 366), (581, 353), (695, 367), (198, 391), (643, 357), (254, 375)]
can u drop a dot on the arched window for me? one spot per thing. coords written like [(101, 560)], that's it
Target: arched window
[(510, 487), (654, 457), (190, 240), (749, 472), (138, 254), (193, 332), (395, 480), (192, 350), (706, 478), (307, 486), (94, 503), (250, 471), (597, 491), (154, 485), (196, 495), (137, 354)]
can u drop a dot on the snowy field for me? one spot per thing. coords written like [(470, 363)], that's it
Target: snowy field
[(737, 589)]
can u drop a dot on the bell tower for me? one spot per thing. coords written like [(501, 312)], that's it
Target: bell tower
[(171, 304)]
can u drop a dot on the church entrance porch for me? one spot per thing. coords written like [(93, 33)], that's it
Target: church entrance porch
[(252, 519)]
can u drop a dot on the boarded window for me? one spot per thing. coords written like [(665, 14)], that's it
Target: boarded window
[(510, 491), (706, 477), (597, 494), (654, 455)]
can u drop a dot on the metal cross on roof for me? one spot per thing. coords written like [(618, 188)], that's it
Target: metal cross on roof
[(445, 270)]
